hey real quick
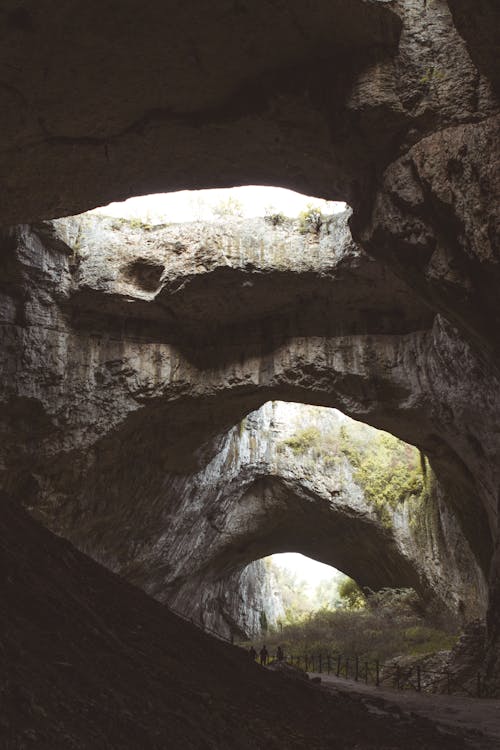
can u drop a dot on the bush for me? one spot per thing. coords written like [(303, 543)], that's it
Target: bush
[(386, 627), (304, 440), (351, 594), (311, 220), (229, 208), (275, 218)]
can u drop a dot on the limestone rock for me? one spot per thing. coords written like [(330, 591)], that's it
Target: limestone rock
[(119, 419)]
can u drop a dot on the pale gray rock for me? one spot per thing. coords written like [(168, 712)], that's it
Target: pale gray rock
[(117, 419)]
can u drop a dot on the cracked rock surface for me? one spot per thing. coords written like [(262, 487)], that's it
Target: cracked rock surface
[(117, 426)]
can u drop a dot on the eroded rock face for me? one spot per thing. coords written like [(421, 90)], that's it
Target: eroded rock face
[(388, 105), (318, 99), (258, 496), (119, 401)]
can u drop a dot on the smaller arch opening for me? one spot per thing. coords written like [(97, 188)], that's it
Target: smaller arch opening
[(316, 614)]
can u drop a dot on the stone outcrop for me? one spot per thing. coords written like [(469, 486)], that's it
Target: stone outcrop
[(258, 496), (391, 106), (126, 393), (318, 99)]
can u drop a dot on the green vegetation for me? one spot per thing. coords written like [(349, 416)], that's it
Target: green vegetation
[(351, 595), (311, 220), (388, 470), (229, 208), (304, 440), (431, 75), (388, 625), (276, 218), (119, 223)]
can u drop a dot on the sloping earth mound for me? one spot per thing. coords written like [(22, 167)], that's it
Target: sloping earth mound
[(89, 661)]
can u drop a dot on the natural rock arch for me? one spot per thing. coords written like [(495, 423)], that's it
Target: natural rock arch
[(128, 408), (388, 128)]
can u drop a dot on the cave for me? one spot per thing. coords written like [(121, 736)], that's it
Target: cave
[(143, 457)]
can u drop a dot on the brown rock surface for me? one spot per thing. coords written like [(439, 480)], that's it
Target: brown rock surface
[(388, 105), (89, 661)]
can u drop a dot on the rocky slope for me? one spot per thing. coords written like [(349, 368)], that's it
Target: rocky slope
[(89, 661)]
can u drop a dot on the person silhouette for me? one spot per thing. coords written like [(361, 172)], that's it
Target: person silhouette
[(264, 653)]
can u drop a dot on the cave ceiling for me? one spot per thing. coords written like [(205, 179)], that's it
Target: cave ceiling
[(390, 106)]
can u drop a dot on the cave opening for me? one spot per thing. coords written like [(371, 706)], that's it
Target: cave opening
[(131, 352), (287, 309)]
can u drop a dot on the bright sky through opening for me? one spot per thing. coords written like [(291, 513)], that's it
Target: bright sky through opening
[(198, 205), (308, 570)]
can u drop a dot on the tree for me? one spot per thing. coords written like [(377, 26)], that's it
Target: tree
[(351, 594), (229, 208)]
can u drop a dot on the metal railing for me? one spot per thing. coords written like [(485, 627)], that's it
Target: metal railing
[(414, 677)]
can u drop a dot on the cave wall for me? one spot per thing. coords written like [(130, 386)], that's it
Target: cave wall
[(389, 105), (257, 496), (115, 429)]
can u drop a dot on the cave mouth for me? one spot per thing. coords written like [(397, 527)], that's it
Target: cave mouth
[(293, 477), (217, 204), (304, 583)]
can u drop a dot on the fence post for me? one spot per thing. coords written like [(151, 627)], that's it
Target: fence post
[(313, 663), (479, 684), (377, 673), (347, 667), (366, 672), (419, 683), (339, 663), (328, 665), (320, 658)]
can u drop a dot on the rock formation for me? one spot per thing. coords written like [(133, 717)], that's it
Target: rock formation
[(137, 348), (135, 367)]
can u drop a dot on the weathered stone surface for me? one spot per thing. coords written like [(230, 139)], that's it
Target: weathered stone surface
[(257, 497), (112, 409), (378, 103), (479, 25), (82, 648), (318, 98), (437, 223)]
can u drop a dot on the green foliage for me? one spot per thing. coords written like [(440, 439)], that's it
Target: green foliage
[(304, 440), (388, 470), (133, 223), (389, 625), (351, 595), (229, 208), (311, 219), (326, 594), (276, 219)]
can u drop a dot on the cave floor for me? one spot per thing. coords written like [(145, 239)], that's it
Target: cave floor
[(480, 718), (88, 661)]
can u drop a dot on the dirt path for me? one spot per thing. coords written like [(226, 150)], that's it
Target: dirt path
[(467, 714)]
